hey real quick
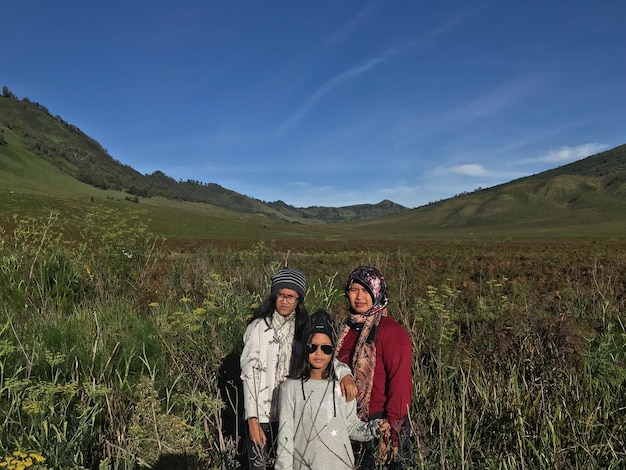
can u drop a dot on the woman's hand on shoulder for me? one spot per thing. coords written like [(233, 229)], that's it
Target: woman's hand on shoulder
[(348, 388)]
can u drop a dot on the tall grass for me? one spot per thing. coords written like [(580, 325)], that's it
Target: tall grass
[(118, 351)]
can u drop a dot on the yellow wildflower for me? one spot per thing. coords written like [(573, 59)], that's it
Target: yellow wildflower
[(37, 457)]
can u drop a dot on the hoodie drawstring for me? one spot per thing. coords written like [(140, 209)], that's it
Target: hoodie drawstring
[(332, 391)]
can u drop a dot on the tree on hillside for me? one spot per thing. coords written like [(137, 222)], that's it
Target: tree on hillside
[(6, 93), (2, 139)]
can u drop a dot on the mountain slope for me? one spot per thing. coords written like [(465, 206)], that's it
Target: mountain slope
[(340, 214), (584, 197), (65, 146), (46, 165), (31, 187), (611, 162)]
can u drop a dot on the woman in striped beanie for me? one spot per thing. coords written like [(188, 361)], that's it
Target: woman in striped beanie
[(271, 347)]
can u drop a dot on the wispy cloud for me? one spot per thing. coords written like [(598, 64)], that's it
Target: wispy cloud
[(571, 154), (408, 48), (328, 87), (502, 97), (494, 103), (472, 170), (565, 154), (440, 31), (352, 25)]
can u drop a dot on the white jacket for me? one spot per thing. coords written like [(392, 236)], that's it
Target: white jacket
[(259, 360)]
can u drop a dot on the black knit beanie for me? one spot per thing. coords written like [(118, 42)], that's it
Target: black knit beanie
[(320, 322)]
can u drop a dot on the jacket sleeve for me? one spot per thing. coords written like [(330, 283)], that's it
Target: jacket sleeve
[(397, 360), (286, 429), (341, 369), (251, 370), (358, 430)]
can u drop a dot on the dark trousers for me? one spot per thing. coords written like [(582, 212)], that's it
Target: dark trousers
[(263, 458)]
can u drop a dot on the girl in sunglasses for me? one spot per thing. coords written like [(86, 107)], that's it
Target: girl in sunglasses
[(316, 423), (272, 347)]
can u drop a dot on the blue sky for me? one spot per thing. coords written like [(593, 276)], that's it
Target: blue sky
[(329, 103)]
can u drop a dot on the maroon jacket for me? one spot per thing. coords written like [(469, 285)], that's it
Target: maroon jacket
[(393, 383)]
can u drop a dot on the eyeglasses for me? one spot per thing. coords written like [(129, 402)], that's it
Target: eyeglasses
[(288, 297), (326, 348)]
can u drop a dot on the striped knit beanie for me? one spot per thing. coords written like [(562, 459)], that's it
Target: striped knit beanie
[(288, 278)]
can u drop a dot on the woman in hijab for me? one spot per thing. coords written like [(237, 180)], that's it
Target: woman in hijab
[(378, 349)]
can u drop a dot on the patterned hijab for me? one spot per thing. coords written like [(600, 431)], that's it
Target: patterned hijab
[(364, 355)]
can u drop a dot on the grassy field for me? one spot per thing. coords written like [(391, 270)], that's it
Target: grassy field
[(118, 347), (121, 322)]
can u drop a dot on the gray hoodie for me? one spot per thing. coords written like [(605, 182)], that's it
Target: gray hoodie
[(316, 425)]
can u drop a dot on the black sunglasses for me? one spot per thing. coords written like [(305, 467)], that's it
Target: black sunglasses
[(326, 348)]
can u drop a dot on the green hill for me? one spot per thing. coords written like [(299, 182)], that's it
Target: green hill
[(30, 127), (49, 166), (586, 197)]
